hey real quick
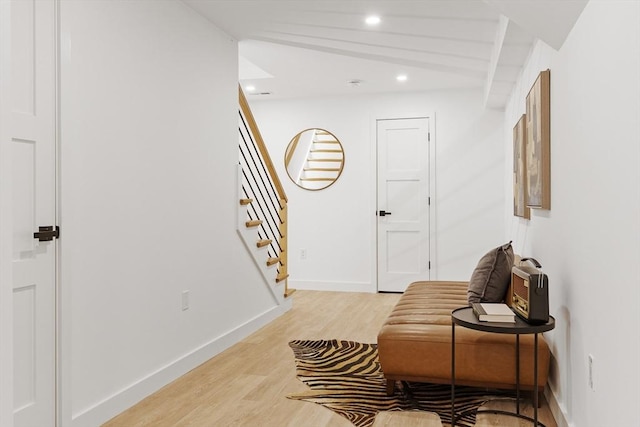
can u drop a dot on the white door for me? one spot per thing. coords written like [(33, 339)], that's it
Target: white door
[(403, 202), (34, 182)]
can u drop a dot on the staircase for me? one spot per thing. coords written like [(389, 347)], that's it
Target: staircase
[(262, 207)]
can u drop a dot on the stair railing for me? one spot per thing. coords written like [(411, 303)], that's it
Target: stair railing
[(261, 185)]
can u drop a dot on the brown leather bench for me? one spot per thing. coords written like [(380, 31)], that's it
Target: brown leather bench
[(414, 344)]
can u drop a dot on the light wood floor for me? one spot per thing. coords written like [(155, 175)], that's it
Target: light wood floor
[(246, 385)]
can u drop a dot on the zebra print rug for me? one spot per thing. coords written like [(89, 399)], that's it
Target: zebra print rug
[(345, 377)]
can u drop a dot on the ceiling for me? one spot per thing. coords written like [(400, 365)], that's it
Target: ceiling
[(307, 48)]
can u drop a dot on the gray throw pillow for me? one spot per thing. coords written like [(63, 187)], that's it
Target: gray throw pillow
[(490, 279)]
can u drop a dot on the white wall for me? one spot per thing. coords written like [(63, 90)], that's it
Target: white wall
[(149, 149), (337, 225), (589, 242)]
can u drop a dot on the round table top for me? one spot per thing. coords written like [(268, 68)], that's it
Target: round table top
[(464, 316)]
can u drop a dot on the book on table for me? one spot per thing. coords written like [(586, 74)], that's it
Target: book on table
[(493, 312)]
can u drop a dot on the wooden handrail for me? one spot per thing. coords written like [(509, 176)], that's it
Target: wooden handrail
[(251, 122)]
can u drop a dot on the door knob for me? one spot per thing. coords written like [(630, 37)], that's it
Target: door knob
[(384, 213)]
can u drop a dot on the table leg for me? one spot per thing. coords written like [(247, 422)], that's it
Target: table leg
[(517, 373), (535, 379), (453, 374)]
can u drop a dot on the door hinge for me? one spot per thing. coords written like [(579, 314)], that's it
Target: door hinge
[(429, 265), (47, 233), (429, 136), (429, 201)]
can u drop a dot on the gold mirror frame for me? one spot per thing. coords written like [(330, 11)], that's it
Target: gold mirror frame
[(314, 159)]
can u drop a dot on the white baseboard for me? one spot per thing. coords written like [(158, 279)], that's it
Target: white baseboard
[(113, 405), (557, 410), (312, 285)]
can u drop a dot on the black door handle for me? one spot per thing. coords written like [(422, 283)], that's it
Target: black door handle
[(384, 213), (47, 233)]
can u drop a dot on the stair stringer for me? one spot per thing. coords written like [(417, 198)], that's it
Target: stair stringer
[(249, 237)]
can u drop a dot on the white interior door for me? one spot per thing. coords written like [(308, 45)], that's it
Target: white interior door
[(34, 181), (403, 202)]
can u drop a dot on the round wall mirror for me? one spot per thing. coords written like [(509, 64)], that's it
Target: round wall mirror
[(314, 159)]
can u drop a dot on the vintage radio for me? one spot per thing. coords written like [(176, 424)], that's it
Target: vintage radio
[(530, 292)]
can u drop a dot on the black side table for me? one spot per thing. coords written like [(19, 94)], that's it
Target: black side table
[(466, 318)]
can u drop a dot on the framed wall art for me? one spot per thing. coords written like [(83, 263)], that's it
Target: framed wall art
[(520, 207), (538, 162)]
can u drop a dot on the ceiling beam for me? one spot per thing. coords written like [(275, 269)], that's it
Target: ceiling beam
[(549, 20)]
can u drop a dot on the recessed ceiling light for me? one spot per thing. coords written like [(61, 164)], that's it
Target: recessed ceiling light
[(250, 88), (372, 20), (401, 77)]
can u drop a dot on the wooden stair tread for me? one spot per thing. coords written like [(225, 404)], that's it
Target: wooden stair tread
[(253, 223), (281, 277), (317, 179), (322, 169), (325, 160), (272, 261), (245, 202), (264, 242)]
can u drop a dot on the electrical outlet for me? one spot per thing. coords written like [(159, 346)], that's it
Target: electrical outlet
[(590, 365), (185, 300), (303, 254)]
